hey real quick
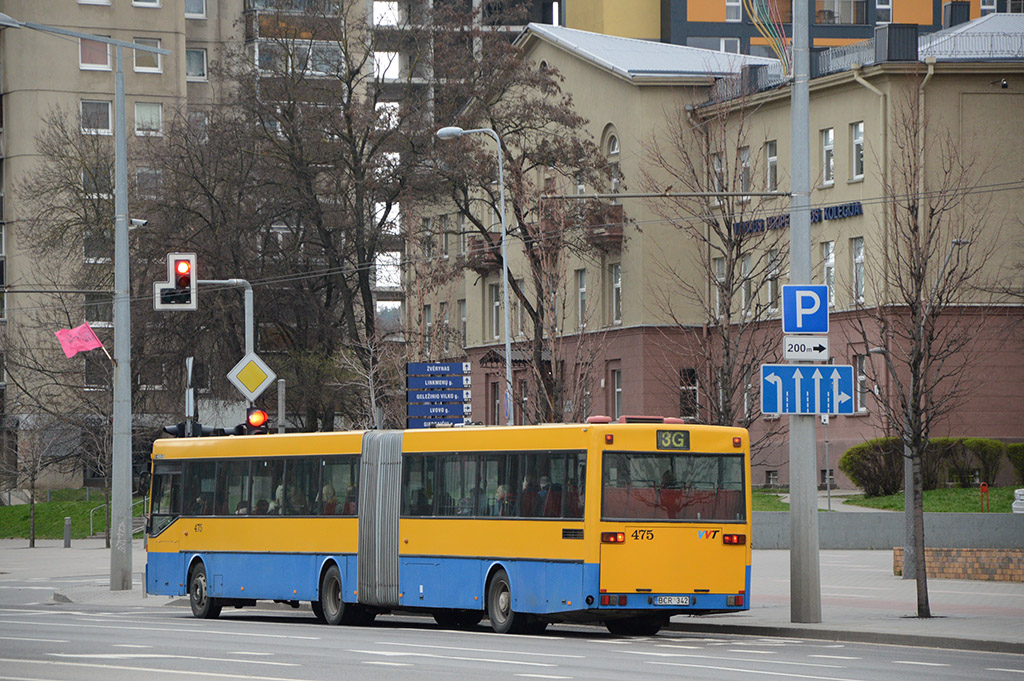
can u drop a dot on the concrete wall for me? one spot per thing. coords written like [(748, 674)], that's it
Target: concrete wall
[(884, 530)]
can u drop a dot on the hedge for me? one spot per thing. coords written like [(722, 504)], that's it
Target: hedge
[(1015, 453)]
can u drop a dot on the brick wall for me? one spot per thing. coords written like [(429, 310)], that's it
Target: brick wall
[(994, 565)]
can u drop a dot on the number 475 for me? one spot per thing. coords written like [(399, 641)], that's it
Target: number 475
[(643, 535)]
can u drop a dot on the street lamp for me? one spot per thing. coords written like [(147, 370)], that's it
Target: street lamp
[(909, 489), (453, 132), (121, 478)]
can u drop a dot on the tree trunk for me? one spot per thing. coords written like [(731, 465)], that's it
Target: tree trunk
[(921, 574)]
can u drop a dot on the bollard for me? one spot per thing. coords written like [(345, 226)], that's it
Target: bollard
[(67, 532)]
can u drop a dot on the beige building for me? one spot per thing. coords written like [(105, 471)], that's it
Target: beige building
[(965, 84)]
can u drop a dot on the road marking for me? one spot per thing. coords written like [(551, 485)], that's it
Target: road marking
[(161, 656), (35, 640), (478, 650), (997, 669), (544, 676), (388, 653), (28, 588), (733, 659), (862, 588), (835, 657), (214, 632), (387, 664), (753, 671), (975, 593), (922, 664), (753, 652), (129, 645), (243, 652), (151, 670), (677, 647)]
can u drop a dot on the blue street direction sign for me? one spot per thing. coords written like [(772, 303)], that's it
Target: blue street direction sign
[(804, 308), (438, 396), (806, 389), (427, 423), (436, 382), (440, 409), (433, 368)]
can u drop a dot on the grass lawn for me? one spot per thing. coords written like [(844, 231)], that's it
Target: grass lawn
[(953, 500), (767, 501), (14, 520)]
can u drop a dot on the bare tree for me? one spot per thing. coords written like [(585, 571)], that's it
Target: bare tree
[(935, 240), (737, 248)]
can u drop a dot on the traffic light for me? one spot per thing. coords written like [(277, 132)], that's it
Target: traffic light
[(255, 422), (180, 291), (198, 430)]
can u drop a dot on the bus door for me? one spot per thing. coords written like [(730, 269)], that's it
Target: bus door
[(664, 517)]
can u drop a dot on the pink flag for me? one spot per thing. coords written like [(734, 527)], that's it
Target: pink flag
[(78, 339)]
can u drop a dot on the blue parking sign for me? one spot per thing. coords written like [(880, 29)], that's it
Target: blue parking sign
[(804, 308)]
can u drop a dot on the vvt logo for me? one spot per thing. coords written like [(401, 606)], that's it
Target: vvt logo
[(707, 534)]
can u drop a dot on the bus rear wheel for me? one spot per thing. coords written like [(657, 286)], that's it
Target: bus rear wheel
[(203, 606), (503, 618), (330, 608)]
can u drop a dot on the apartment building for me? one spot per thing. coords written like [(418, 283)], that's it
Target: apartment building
[(966, 83)]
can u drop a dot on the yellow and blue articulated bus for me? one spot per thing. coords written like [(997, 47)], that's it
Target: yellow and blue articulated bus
[(622, 523)]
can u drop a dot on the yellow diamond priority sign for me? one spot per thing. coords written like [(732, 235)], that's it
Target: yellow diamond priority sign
[(251, 376)]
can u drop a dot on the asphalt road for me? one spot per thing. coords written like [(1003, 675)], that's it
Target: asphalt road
[(54, 642)]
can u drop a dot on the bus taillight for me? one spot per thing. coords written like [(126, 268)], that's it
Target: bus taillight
[(613, 537), (734, 601), (736, 539)]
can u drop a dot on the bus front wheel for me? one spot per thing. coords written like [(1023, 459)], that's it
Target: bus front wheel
[(330, 608), (499, 606), (203, 606)]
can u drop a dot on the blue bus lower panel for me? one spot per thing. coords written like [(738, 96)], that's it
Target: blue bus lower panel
[(543, 588)]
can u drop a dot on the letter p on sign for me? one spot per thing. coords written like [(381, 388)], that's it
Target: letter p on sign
[(804, 309)]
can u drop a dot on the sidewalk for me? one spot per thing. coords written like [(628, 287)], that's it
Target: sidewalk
[(835, 500), (861, 600)]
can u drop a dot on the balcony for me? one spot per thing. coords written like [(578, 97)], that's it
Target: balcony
[(843, 12), (481, 257), (604, 227)]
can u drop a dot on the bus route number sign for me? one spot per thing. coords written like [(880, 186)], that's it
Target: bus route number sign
[(673, 439)]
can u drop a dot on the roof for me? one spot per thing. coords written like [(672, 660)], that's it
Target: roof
[(634, 59), (998, 37)]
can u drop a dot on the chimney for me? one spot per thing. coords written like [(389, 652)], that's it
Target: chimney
[(955, 13)]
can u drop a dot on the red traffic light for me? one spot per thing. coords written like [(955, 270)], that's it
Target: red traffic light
[(256, 418), (182, 266)]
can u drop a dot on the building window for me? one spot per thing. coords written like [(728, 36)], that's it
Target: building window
[(688, 393), (828, 259), (828, 477), (718, 267), (857, 252), (428, 239), (771, 158), (195, 64), (747, 289), (828, 160), (988, 7), (883, 10), (733, 10), (387, 267), (730, 45), (771, 478), (147, 62), (463, 234), (744, 153), (613, 145), (860, 364), (581, 297), (93, 55), (495, 300), (195, 9), (97, 182), (147, 182), (840, 12), (96, 118), (462, 321), (717, 173), (446, 338), (99, 310), (617, 391), (444, 236), (773, 279), (385, 65), (857, 150), (385, 13), (97, 371), (428, 329), (148, 118), (616, 277), (146, 3)]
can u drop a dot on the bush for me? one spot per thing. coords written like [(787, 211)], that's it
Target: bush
[(875, 466), (944, 454), (988, 454), (1015, 453)]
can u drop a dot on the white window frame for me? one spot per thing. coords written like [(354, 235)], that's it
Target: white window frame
[(771, 154), (202, 78), (93, 303), (857, 150), (148, 42), (195, 15), (108, 130), (581, 297), (494, 293), (744, 159), (733, 10), (87, 66), (94, 2), (729, 45), (828, 157), (617, 392), (861, 388), (689, 387), (857, 266), (747, 285), (884, 7), (615, 271), (828, 271), (96, 195), (718, 269), (463, 330), (149, 132), (988, 7), (145, 3)]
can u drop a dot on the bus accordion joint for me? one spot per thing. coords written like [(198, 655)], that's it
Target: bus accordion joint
[(735, 539), (613, 537)]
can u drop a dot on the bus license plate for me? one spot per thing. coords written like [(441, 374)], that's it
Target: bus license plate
[(672, 600)]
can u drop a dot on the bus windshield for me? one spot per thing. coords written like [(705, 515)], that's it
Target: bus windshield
[(656, 486)]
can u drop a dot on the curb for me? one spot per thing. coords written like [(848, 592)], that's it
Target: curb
[(850, 636)]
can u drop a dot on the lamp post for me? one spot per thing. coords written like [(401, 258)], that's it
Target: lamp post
[(121, 476), (453, 132), (909, 488)]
